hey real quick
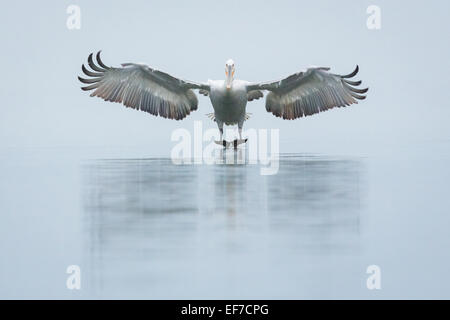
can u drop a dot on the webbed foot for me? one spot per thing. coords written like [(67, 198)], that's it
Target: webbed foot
[(222, 143)]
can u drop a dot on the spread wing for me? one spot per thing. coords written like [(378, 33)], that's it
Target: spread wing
[(140, 87), (306, 93)]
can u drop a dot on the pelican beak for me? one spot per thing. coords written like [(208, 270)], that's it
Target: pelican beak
[(230, 74)]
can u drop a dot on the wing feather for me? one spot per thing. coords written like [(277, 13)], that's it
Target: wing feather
[(312, 91), (254, 95), (140, 87)]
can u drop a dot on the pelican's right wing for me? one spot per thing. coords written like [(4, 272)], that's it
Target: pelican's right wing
[(142, 88), (306, 93)]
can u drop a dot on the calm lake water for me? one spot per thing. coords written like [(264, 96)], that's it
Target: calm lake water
[(143, 227)]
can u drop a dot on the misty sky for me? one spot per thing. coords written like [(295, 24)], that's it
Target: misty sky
[(405, 65)]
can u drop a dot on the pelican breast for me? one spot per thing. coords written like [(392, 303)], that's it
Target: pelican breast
[(229, 104)]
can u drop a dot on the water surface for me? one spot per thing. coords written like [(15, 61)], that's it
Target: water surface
[(143, 227)]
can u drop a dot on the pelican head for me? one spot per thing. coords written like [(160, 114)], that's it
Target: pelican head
[(229, 72)]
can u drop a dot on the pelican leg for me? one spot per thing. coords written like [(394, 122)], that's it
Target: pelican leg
[(237, 142), (221, 141)]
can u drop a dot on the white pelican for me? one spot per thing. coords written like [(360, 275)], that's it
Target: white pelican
[(141, 87)]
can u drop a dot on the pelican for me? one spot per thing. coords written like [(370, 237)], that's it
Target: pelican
[(141, 87)]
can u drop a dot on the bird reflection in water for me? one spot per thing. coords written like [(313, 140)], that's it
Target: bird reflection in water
[(152, 215)]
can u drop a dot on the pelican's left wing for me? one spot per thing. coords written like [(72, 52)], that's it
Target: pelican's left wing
[(140, 87), (306, 93)]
